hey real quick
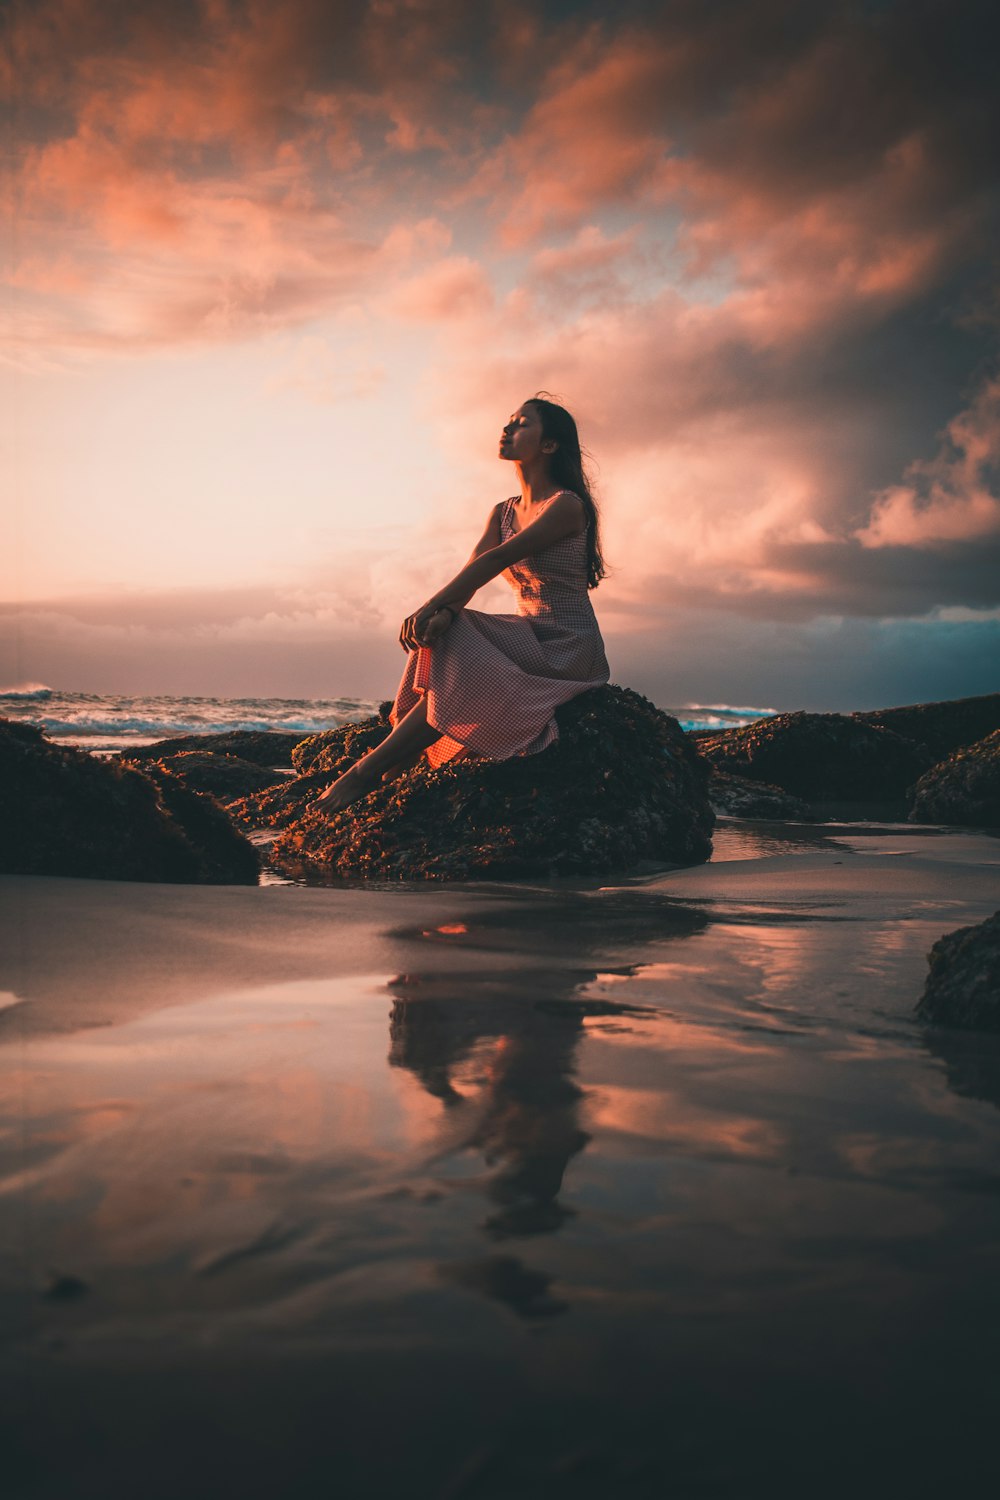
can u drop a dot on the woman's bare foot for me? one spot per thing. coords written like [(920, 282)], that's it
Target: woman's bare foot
[(355, 782), (402, 767)]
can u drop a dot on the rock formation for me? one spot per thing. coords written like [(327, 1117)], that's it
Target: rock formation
[(941, 727), (822, 757), (964, 789), (319, 759), (261, 747), (225, 777), (738, 797), (623, 785), (963, 986), (67, 813)]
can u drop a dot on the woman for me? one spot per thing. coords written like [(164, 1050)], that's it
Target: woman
[(488, 684)]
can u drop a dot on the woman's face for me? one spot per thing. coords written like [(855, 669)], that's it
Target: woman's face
[(521, 439)]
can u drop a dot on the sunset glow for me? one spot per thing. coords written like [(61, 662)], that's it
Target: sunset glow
[(278, 270)]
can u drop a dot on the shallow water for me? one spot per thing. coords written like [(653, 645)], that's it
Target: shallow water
[(681, 1202)]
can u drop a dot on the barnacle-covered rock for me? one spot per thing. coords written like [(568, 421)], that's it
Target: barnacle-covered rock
[(941, 727), (622, 785), (226, 777), (224, 855), (964, 789), (263, 747), (738, 797), (963, 986), (319, 759), (822, 757), (66, 813)]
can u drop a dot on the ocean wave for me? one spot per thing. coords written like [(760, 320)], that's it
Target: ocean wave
[(728, 709), (95, 720), (83, 726), (27, 692), (704, 716)]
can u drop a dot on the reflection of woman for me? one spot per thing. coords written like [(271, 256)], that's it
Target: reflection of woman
[(488, 684), (524, 1115)]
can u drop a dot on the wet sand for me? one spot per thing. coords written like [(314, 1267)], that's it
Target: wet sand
[(651, 1189)]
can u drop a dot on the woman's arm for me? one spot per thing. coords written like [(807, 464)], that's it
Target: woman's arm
[(491, 536), (428, 632), (564, 517)]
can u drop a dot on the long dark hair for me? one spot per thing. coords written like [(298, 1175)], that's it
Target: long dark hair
[(566, 469)]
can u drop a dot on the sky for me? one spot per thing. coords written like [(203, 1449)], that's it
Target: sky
[(276, 271)]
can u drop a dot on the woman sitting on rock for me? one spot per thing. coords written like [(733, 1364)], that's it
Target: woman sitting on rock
[(486, 684)]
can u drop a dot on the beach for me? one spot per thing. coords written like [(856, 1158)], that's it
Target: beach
[(541, 1189)]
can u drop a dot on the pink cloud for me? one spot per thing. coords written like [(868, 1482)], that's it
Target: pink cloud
[(586, 142), (714, 226), (947, 498), (453, 289), (205, 182)]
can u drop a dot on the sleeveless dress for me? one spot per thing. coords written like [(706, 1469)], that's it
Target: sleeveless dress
[(492, 682)]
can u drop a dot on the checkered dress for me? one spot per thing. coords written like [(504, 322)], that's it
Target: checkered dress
[(493, 681)]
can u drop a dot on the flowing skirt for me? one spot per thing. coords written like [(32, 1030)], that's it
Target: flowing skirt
[(492, 683)]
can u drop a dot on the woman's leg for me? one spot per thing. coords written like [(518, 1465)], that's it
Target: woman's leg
[(411, 736)]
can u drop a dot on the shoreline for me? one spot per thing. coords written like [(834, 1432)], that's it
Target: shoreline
[(282, 1164), (195, 940)]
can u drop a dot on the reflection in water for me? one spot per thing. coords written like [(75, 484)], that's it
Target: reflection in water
[(516, 1058), (740, 838), (971, 1061), (504, 1278), (758, 1216)]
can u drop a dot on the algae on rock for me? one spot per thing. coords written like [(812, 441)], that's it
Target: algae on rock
[(964, 789), (623, 785), (66, 813), (963, 985), (822, 757)]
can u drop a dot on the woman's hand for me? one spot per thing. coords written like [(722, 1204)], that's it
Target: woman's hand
[(424, 628)]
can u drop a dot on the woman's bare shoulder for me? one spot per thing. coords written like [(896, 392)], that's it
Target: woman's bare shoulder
[(568, 503)]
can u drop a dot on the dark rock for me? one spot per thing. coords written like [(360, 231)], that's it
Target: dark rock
[(622, 785), (506, 1279), (942, 727), (339, 748), (66, 813), (740, 798), (223, 776), (261, 747), (225, 855), (823, 757), (319, 760), (963, 986), (963, 790), (971, 1062)]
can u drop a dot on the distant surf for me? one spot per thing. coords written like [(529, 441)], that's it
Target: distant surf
[(29, 691), (718, 715), (108, 721)]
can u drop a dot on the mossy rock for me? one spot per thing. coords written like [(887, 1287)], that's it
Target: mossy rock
[(964, 789), (319, 759), (261, 747), (963, 986), (67, 813), (822, 757), (225, 777), (623, 785), (941, 727), (738, 797)]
